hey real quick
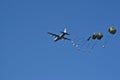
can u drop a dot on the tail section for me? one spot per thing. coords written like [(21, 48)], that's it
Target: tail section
[(65, 32)]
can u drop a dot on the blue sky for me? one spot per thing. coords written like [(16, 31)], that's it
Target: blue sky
[(27, 52)]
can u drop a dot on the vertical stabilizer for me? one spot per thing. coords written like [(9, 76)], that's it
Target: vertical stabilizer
[(65, 31)]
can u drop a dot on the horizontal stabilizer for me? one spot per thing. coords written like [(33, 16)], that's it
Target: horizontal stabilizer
[(66, 38), (65, 33)]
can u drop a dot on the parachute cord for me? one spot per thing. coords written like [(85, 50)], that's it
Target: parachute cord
[(106, 42), (83, 43), (94, 45)]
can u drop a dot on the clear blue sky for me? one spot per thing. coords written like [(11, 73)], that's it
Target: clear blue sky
[(27, 52)]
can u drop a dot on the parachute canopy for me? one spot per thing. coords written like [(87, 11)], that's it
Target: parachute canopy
[(94, 36), (99, 36), (112, 30)]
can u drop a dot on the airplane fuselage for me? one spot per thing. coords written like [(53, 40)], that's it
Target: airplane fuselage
[(60, 37)]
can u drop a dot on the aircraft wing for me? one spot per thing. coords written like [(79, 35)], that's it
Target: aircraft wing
[(66, 38), (53, 34)]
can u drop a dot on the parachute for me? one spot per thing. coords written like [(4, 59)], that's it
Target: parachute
[(98, 36), (112, 30), (95, 36)]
